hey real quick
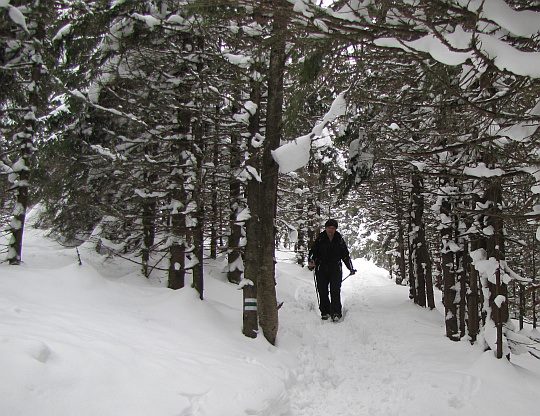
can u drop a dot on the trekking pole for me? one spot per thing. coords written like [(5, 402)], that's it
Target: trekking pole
[(350, 274), (316, 289)]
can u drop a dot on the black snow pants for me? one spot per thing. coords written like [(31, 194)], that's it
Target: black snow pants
[(329, 275)]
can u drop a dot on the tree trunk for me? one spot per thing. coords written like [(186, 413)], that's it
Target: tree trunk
[(250, 323), (149, 232), (25, 141), (462, 298), (412, 274), (401, 250), (521, 294), (252, 261), (21, 206), (266, 287), (262, 195), (421, 261), (177, 267), (235, 252), (195, 219), (533, 295), (448, 272), (473, 298), (177, 261), (398, 197), (250, 316), (464, 270), (429, 281), (215, 225), (300, 246), (495, 249), (198, 253)]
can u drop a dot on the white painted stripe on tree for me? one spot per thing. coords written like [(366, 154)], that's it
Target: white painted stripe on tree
[(250, 304)]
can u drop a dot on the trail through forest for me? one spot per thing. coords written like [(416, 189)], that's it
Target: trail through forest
[(99, 339), (390, 357)]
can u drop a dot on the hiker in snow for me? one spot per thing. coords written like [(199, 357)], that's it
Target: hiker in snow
[(325, 256)]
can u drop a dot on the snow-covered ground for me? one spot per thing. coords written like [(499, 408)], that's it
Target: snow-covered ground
[(98, 339)]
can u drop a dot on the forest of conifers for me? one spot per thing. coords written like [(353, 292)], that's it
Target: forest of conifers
[(147, 128)]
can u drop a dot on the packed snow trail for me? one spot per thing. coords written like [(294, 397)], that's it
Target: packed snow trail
[(100, 339), (346, 368), (387, 357)]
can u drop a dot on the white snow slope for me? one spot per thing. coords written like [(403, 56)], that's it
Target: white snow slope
[(98, 339)]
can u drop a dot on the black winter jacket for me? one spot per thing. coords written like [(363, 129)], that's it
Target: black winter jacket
[(329, 253)]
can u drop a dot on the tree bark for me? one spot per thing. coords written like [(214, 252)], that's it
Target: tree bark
[(448, 272), (235, 252), (401, 250), (216, 214), (262, 196), (475, 298), (198, 253), (195, 219), (176, 278), (495, 249), (398, 197), (26, 139), (533, 295), (266, 287), (463, 269), (149, 232), (421, 261), (250, 324)]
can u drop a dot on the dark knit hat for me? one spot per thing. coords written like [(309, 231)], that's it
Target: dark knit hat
[(331, 223)]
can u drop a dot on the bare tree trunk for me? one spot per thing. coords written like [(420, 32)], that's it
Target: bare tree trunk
[(25, 141), (195, 219), (473, 299), (21, 206), (235, 252), (179, 197), (252, 261), (401, 250), (263, 195), (533, 299), (463, 285), (448, 272), (301, 247), (149, 232), (177, 261), (498, 290), (314, 211), (214, 230), (421, 261), (197, 268), (464, 268), (177, 267), (412, 274), (250, 324), (398, 196), (521, 293), (429, 281), (266, 287), (250, 312)]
